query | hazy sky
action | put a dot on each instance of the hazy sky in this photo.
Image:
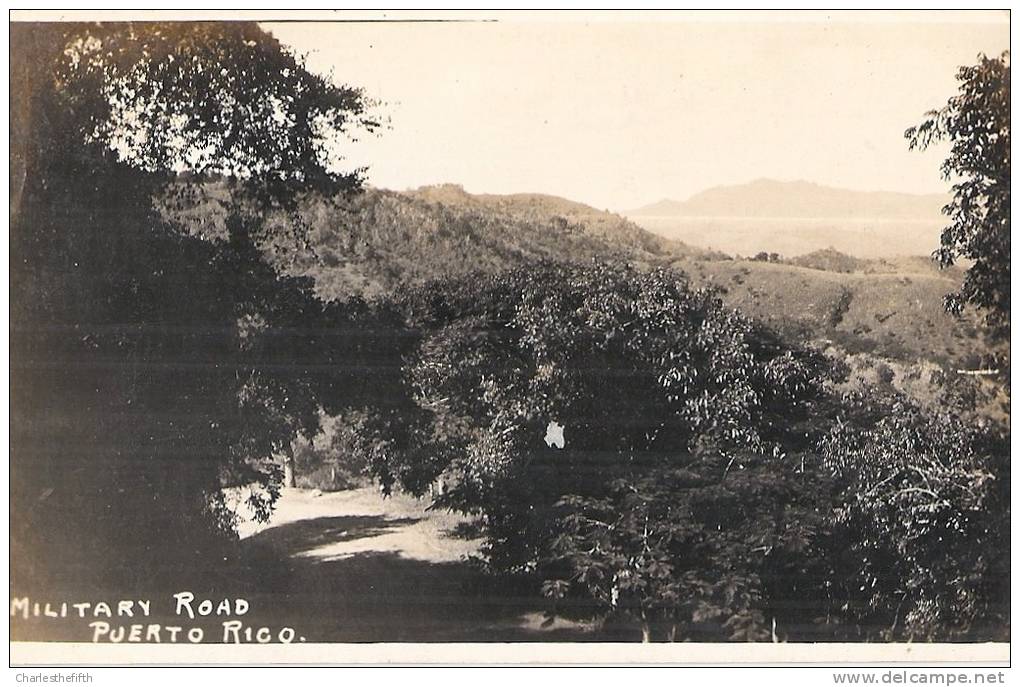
(620, 114)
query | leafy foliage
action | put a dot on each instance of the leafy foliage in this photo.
(152, 367)
(713, 484)
(976, 122)
(670, 403)
(710, 547)
(922, 522)
(341, 454)
(220, 99)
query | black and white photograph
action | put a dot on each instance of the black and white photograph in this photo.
(342, 332)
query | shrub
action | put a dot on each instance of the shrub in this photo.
(922, 528)
(840, 307)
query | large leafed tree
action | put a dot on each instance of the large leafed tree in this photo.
(152, 366)
(976, 123)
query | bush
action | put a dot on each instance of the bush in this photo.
(921, 533)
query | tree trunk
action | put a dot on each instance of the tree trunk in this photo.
(289, 479)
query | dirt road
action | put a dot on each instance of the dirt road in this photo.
(354, 567)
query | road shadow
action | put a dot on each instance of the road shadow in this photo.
(381, 596)
(305, 536)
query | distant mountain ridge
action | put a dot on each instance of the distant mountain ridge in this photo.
(767, 198)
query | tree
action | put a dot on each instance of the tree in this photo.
(711, 546)
(976, 123)
(150, 366)
(678, 414)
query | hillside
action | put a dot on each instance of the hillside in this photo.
(890, 307)
(832, 260)
(887, 316)
(382, 239)
(896, 315)
(766, 198)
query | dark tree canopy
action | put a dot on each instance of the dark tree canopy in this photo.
(976, 123)
(209, 98)
(151, 368)
(678, 415)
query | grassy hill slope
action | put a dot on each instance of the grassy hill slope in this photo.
(374, 242)
(895, 314)
(377, 240)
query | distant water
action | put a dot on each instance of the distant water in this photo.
(862, 238)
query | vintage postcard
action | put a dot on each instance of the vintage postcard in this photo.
(506, 337)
